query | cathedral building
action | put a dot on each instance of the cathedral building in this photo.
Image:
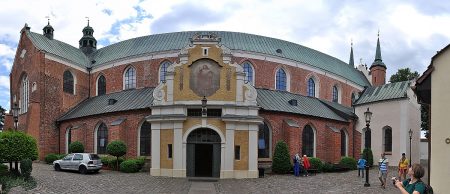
(196, 103)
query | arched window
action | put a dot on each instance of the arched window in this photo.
(248, 70)
(24, 95)
(163, 70)
(69, 82)
(387, 139)
(145, 139)
(281, 82)
(264, 141)
(129, 78)
(102, 138)
(343, 143)
(68, 138)
(335, 94)
(308, 141)
(311, 87)
(101, 85)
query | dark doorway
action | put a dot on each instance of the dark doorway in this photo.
(203, 153)
(203, 160)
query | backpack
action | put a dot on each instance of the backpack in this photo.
(428, 188)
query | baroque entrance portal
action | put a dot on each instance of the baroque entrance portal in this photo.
(203, 153)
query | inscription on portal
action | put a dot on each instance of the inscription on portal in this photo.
(205, 77)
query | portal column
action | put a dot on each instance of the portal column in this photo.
(178, 170)
(253, 151)
(228, 167)
(156, 133)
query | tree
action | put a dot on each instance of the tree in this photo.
(403, 75)
(281, 160)
(76, 147)
(2, 117)
(424, 118)
(16, 146)
(116, 148)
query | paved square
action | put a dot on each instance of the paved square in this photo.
(50, 181)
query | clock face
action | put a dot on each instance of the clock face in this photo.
(205, 77)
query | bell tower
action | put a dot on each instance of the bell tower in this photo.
(88, 44)
(48, 30)
(378, 68)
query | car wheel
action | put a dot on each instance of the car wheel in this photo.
(57, 167)
(82, 170)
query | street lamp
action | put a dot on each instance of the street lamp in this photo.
(15, 111)
(204, 111)
(410, 137)
(368, 116)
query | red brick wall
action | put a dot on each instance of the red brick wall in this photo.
(327, 141)
(127, 131)
(378, 75)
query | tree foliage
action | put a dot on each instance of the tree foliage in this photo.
(368, 156)
(116, 148)
(281, 160)
(76, 147)
(16, 146)
(403, 75)
(2, 116)
(424, 117)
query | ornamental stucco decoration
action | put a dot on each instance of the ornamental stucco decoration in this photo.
(158, 94)
(250, 94)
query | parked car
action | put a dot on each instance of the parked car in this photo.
(81, 162)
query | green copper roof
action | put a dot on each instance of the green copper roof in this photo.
(58, 48)
(385, 92)
(378, 60)
(351, 61)
(177, 40)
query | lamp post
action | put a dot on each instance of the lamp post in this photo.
(204, 110)
(410, 137)
(15, 111)
(368, 116)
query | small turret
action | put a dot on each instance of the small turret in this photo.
(88, 44)
(48, 30)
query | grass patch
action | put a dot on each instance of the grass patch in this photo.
(11, 180)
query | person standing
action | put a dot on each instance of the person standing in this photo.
(306, 164)
(403, 167)
(383, 164)
(361, 165)
(296, 161)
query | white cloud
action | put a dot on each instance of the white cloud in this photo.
(4, 82)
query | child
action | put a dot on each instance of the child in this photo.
(361, 165)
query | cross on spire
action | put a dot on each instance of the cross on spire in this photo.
(87, 20)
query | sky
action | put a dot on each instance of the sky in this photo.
(411, 32)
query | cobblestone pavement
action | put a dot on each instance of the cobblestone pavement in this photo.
(50, 181)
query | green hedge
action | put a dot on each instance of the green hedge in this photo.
(129, 166)
(76, 147)
(316, 163)
(50, 158)
(3, 169)
(113, 163)
(26, 166)
(370, 159)
(327, 167)
(348, 162)
(281, 161)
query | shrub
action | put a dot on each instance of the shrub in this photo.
(316, 163)
(281, 160)
(3, 169)
(116, 148)
(327, 167)
(370, 159)
(140, 161)
(61, 156)
(76, 147)
(17, 146)
(26, 166)
(348, 162)
(106, 160)
(113, 163)
(49, 158)
(129, 166)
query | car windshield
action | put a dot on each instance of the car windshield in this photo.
(94, 157)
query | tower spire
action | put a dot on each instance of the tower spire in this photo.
(48, 29)
(378, 60)
(378, 68)
(351, 61)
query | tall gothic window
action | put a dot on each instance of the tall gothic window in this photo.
(281, 80)
(129, 78)
(102, 138)
(343, 143)
(69, 83)
(248, 70)
(163, 71)
(335, 94)
(311, 87)
(145, 139)
(101, 85)
(264, 141)
(308, 141)
(24, 95)
(388, 139)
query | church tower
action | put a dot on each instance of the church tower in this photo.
(351, 62)
(378, 68)
(48, 31)
(88, 44)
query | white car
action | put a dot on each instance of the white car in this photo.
(81, 162)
